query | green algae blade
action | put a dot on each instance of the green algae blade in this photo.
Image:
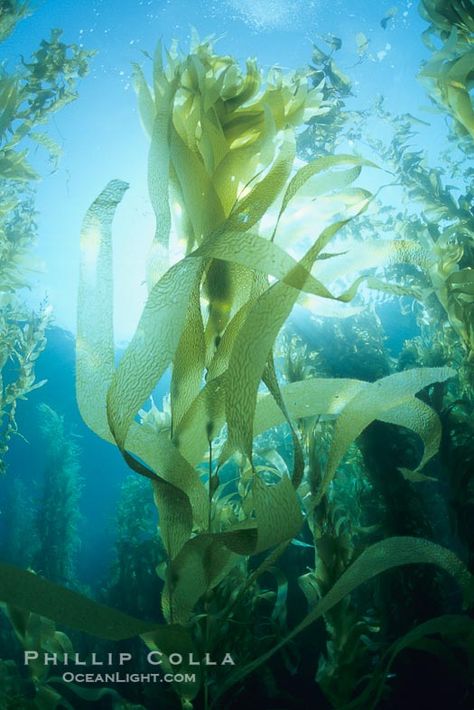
(202, 563)
(29, 592)
(420, 418)
(161, 455)
(206, 559)
(277, 512)
(188, 363)
(374, 253)
(146, 102)
(254, 342)
(251, 208)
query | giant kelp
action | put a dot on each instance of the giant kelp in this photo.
(204, 114)
(449, 74)
(58, 514)
(224, 188)
(28, 98)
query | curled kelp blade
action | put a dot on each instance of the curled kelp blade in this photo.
(161, 455)
(205, 559)
(255, 252)
(255, 340)
(378, 558)
(327, 183)
(180, 494)
(371, 403)
(328, 397)
(269, 378)
(374, 253)
(249, 209)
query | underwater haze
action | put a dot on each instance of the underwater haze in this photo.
(236, 354)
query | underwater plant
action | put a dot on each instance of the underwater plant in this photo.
(58, 515)
(221, 154)
(132, 582)
(448, 75)
(28, 99)
(226, 191)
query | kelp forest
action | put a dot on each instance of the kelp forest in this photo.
(294, 409)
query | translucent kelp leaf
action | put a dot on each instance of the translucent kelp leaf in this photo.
(251, 208)
(162, 456)
(374, 254)
(307, 398)
(270, 379)
(200, 199)
(277, 512)
(159, 158)
(95, 339)
(181, 497)
(188, 364)
(152, 347)
(378, 558)
(176, 515)
(96, 377)
(371, 403)
(146, 102)
(205, 416)
(205, 560)
(255, 252)
(253, 345)
(420, 418)
(317, 166)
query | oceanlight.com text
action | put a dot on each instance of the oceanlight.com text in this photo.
(119, 677)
